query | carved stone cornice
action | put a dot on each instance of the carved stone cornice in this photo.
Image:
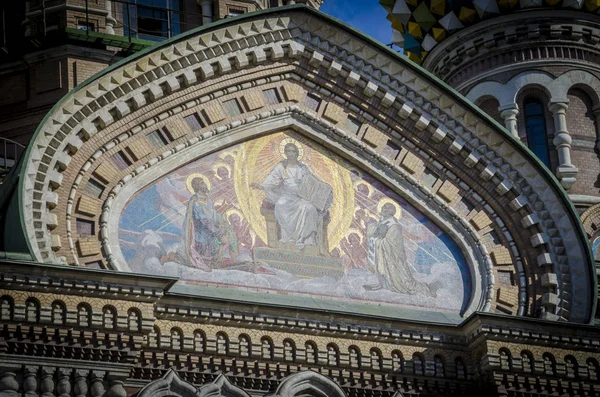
(516, 41)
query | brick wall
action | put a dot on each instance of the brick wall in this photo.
(81, 70)
(223, 7)
(36, 89)
(580, 123)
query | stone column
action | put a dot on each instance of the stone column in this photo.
(30, 381)
(509, 114)
(47, 383)
(26, 22)
(97, 383)
(80, 388)
(596, 113)
(9, 386)
(207, 12)
(63, 387)
(110, 20)
(565, 171)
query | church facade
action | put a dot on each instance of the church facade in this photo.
(275, 204)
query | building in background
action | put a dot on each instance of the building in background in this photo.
(51, 46)
(277, 205)
(532, 66)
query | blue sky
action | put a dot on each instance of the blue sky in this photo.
(365, 15)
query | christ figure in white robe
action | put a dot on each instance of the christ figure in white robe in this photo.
(298, 219)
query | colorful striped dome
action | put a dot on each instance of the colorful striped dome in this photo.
(418, 25)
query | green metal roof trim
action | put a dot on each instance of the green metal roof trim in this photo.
(381, 47)
(113, 40)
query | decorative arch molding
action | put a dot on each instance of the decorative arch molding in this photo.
(221, 387)
(555, 87)
(590, 219)
(301, 51)
(169, 385)
(319, 130)
(507, 93)
(308, 384)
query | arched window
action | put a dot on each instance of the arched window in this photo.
(134, 320)
(417, 364)
(333, 356)
(266, 348)
(593, 368)
(289, 350)
(108, 317)
(176, 339)
(199, 341)
(354, 357)
(222, 343)
(397, 361)
(311, 352)
(376, 359)
(527, 361)
(84, 315)
(505, 359)
(535, 126)
(461, 370)
(6, 308)
(244, 346)
(571, 367)
(59, 312)
(549, 364)
(438, 367)
(32, 311)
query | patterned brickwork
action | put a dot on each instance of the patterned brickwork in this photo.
(106, 172)
(215, 113)
(177, 128)
(139, 149)
(375, 138)
(254, 100)
(580, 123)
(88, 206)
(88, 246)
(448, 191)
(412, 163)
(501, 256)
(334, 113)
(293, 92)
(481, 220)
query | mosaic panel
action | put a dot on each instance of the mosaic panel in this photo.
(280, 214)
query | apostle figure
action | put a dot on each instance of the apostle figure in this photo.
(386, 254)
(208, 238)
(298, 218)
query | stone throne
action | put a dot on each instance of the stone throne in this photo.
(308, 262)
(267, 210)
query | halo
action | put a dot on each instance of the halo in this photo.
(287, 140)
(355, 231)
(232, 211)
(191, 177)
(228, 153)
(256, 158)
(221, 164)
(386, 200)
(361, 182)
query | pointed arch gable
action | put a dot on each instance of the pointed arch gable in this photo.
(221, 387)
(308, 383)
(400, 108)
(169, 385)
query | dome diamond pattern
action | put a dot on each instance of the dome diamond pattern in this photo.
(419, 25)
